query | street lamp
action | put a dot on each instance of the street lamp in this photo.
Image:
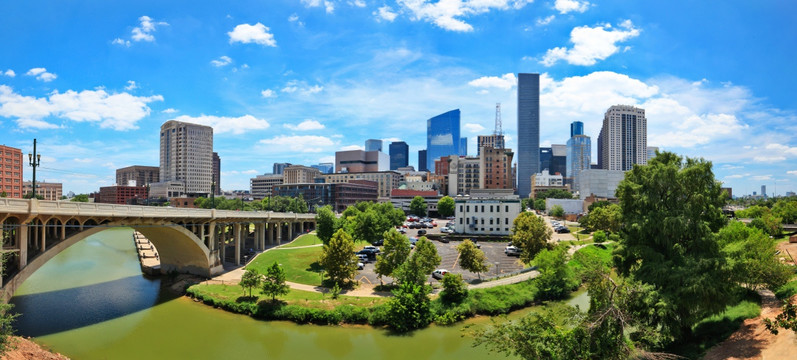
(34, 160)
(213, 195)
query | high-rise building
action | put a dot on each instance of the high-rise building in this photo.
(399, 155)
(764, 190)
(442, 136)
(576, 128)
(652, 152)
(186, 155)
(496, 168)
(579, 152)
(528, 127)
(373, 145)
(558, 160)
(623, 138)
(463, 146)
(138, 175)
(493, 141)
(48, 191)
(217, 173)
(11, 174)
(324, 168)
(422, 166)
(278, 168)
(545, 158)
(357, 161)
(463, 175)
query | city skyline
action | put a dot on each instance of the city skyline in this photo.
(295, 81)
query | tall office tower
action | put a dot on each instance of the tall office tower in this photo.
(399, 155)
(463, 146)
(373, 145)
(217, 173)
(545, 159)
(579, 151)
(186, 155)
(764, 190)
(576, 128)
(278, 168)
(528, 127)
(600, 149)
(624, 138)
(11, 176)
(442, 136)
(559, 160)
(493, 141)
(422, 161)
(140, 175)
(652, 152)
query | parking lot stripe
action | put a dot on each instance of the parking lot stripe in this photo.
(455, 261)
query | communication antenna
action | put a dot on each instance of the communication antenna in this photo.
(498, 132)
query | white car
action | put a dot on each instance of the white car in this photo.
(511, 251)
(439, 273)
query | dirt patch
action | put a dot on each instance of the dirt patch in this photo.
(25, 349)
(754, 341)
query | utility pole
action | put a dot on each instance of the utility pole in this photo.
(34, 160)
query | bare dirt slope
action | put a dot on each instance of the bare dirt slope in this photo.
(24, 349)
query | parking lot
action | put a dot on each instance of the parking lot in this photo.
(501, 263)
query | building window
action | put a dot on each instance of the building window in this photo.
(460, 221)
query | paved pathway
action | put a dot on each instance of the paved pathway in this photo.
(507, 280)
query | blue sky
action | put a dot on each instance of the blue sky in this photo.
(296, 80)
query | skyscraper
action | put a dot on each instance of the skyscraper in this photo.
(422, 160)
(558, 160)
(579, 151)
(576, 128)
(186, 155)
(623, 138)
(545, 159)
(278, 168)
(373, 145)
(463, 146)
(217, 173)
(442, 136)
(528, 125)
(399, 154)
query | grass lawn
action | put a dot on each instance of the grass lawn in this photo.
(301, 265)
(303, 240)
(295, 297)
(593, 251)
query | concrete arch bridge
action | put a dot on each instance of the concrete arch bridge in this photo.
(193, 241)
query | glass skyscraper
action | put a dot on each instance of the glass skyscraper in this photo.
(399, 154)
(579, 151)
(576, 128)
(528, 127)
(422, 161)
(463, 146)
(373, 145)
(442, 136)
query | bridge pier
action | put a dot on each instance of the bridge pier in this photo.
(22, 242)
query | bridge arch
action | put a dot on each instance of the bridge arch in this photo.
(179, 251)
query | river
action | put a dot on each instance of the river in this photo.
(92, 302)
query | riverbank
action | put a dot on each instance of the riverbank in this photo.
(25, 349)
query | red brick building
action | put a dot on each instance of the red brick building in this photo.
(11, 166)
(121, 195)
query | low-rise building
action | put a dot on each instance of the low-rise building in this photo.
(339, 196)
(401, 198)
(300, 174)
(486, 212)
(137, 175)
(601, 183)
(261, 185)
(495, 165)
(48, 191)
(121, 195)
(359, 161)
(570, 206)
(166, 189)
(386, 180)
(463, 175)
(544, 181)
(11, 172)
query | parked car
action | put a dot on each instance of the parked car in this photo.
(512, 251)
(363, 258)
(443, 240)
(439, 273)
(421, 232)
(562, 230)
(360, 266)
(372, 248)
(379, 242)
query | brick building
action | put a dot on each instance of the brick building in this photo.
(11, 171)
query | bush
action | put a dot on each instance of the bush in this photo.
(599, 236)
(454, 288)
(787, 291)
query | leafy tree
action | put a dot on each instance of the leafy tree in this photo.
(420, 264)
(607, 218)
(81, 198)
(445, 206)
(395, 252)
(530, 235)
(274, 282)
(786, 210)
(325, 223)
(768, 223)
(525, 203)
(7, 318)
(409, 308)
(338, 259)
(250, 279)
(368, 221)
(752, 212)
(556, 279)
(366, 226)
(599, 204)
(599, 237)
(554, 194)
(751, 257)
(787, 319)
(557, 211)
(454, 288)
(418, 206)
(472, 258)
(539, 204)
(3, 194)
(671, 209)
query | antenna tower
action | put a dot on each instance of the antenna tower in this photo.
(498, 132)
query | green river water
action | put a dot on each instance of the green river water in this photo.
(91, 302)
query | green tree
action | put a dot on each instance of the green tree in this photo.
(3, 194)
(599, 237)
(454, 288)
(557, 211)
(556, 279)
(530, 235)
(420, 264)
(768, 223)
(395, 251)
(7, 318)
(273, 284)
(786, 210)
(606, 218)
(751, 257)
(418, 206)
(671, 209)
(539, 204)
(81, 198)
(445, 206)
(409, 308)
(752, 212)
(554, 194)
(325, 223)
(338, 259)
(472, 258)
(250, 279)
(366, 226)
(599, 204)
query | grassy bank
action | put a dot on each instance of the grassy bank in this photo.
(301, 265)
(303, 240)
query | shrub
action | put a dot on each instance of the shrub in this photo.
(454, 288)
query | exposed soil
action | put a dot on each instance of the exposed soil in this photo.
(25, 349)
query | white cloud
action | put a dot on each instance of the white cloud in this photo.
(169, 111)
(257, 33)
(250, 172)
(224, 60)
(293, 18)
(761, 177)
(545, 21)
(306, 125)
(591, 44)
(385, 13)
(326, 159)
(290, 89)
(473, 128)
(448, 14)
(315, 89)
(120, 41)
(793, 172)
(329, 6)
(303, 143)
(301, 87)
(566, 6)
(10, 73)
(118, 111)
(505, 82)
(143, 32)
(352, 147)
(358, 3)
(227, 124)
(41, 74)
(268, 93)
(131, 85)
(736, 176)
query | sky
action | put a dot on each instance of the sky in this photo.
(296, 80)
